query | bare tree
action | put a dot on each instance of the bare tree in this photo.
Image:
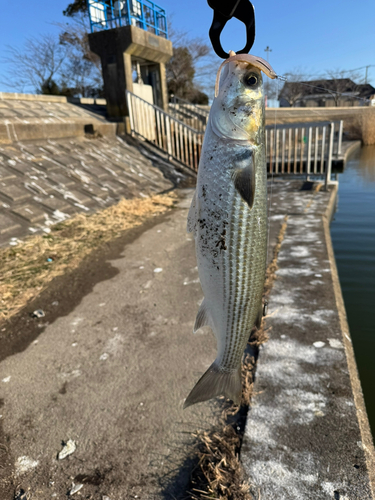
(81, 73)
(294, 88)
(37, 64)
(190, 68)
(340, 84)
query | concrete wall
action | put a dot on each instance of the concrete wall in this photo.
(359, 122)
(117, 48)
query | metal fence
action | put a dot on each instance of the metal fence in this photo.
(189, 113)
(178, 140)
(108, 14)
(291, 149)
(303, 148)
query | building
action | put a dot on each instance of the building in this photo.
(326, 93)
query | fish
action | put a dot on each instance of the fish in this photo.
(228, 218)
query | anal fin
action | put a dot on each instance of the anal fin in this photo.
(203, 318)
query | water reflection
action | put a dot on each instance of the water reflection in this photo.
(366, 164)
(353, 236)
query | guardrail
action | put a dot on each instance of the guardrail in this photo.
(178, 140)
(303, 148)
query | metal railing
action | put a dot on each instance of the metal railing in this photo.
(303, 148)
(178, 140)
(291, 149)
(108, 14)
(189, 113)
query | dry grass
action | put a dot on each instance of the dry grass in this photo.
(367, 125)
(272, 266)
(25, 268)
(219, 475)
(220, 467)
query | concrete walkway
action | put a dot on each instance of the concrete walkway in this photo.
(112, 361)
(307, 434)
(109, 368)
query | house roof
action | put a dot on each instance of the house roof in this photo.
(324, 88)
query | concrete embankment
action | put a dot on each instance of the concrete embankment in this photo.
(359, 121)
(59, 158)
(25, 117)
(307, 434)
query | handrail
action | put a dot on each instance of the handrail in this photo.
(306, 149)
(180, 141)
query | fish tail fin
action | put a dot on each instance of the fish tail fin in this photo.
(216, 382)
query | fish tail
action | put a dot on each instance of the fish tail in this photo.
(216, 382)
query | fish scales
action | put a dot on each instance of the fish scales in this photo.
(229, 219)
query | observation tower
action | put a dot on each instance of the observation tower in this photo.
(131, 39)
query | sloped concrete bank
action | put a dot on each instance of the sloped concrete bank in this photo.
(307, 434)
(25, 117)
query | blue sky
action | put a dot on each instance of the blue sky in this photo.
(309, 36)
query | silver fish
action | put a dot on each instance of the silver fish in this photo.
(228, 217)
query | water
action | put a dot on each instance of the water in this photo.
(353, 236)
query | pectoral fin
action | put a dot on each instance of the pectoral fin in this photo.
(243, 176)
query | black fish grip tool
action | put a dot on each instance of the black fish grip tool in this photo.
(224, 10)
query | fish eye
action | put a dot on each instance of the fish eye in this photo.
(251, 80)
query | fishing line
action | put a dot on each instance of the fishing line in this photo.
(271, 167)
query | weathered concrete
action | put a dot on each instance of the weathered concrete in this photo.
(44, 182)
(117, 48)
(112, 361)
(109, 367)
(307, 434)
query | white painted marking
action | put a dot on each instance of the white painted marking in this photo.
(6, 379)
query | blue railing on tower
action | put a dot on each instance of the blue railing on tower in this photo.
(108, 14)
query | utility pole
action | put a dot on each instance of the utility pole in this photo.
(367, 67)
(268, 50)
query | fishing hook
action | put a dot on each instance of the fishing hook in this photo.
(224, 10)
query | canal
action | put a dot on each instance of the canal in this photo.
(353, 236)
